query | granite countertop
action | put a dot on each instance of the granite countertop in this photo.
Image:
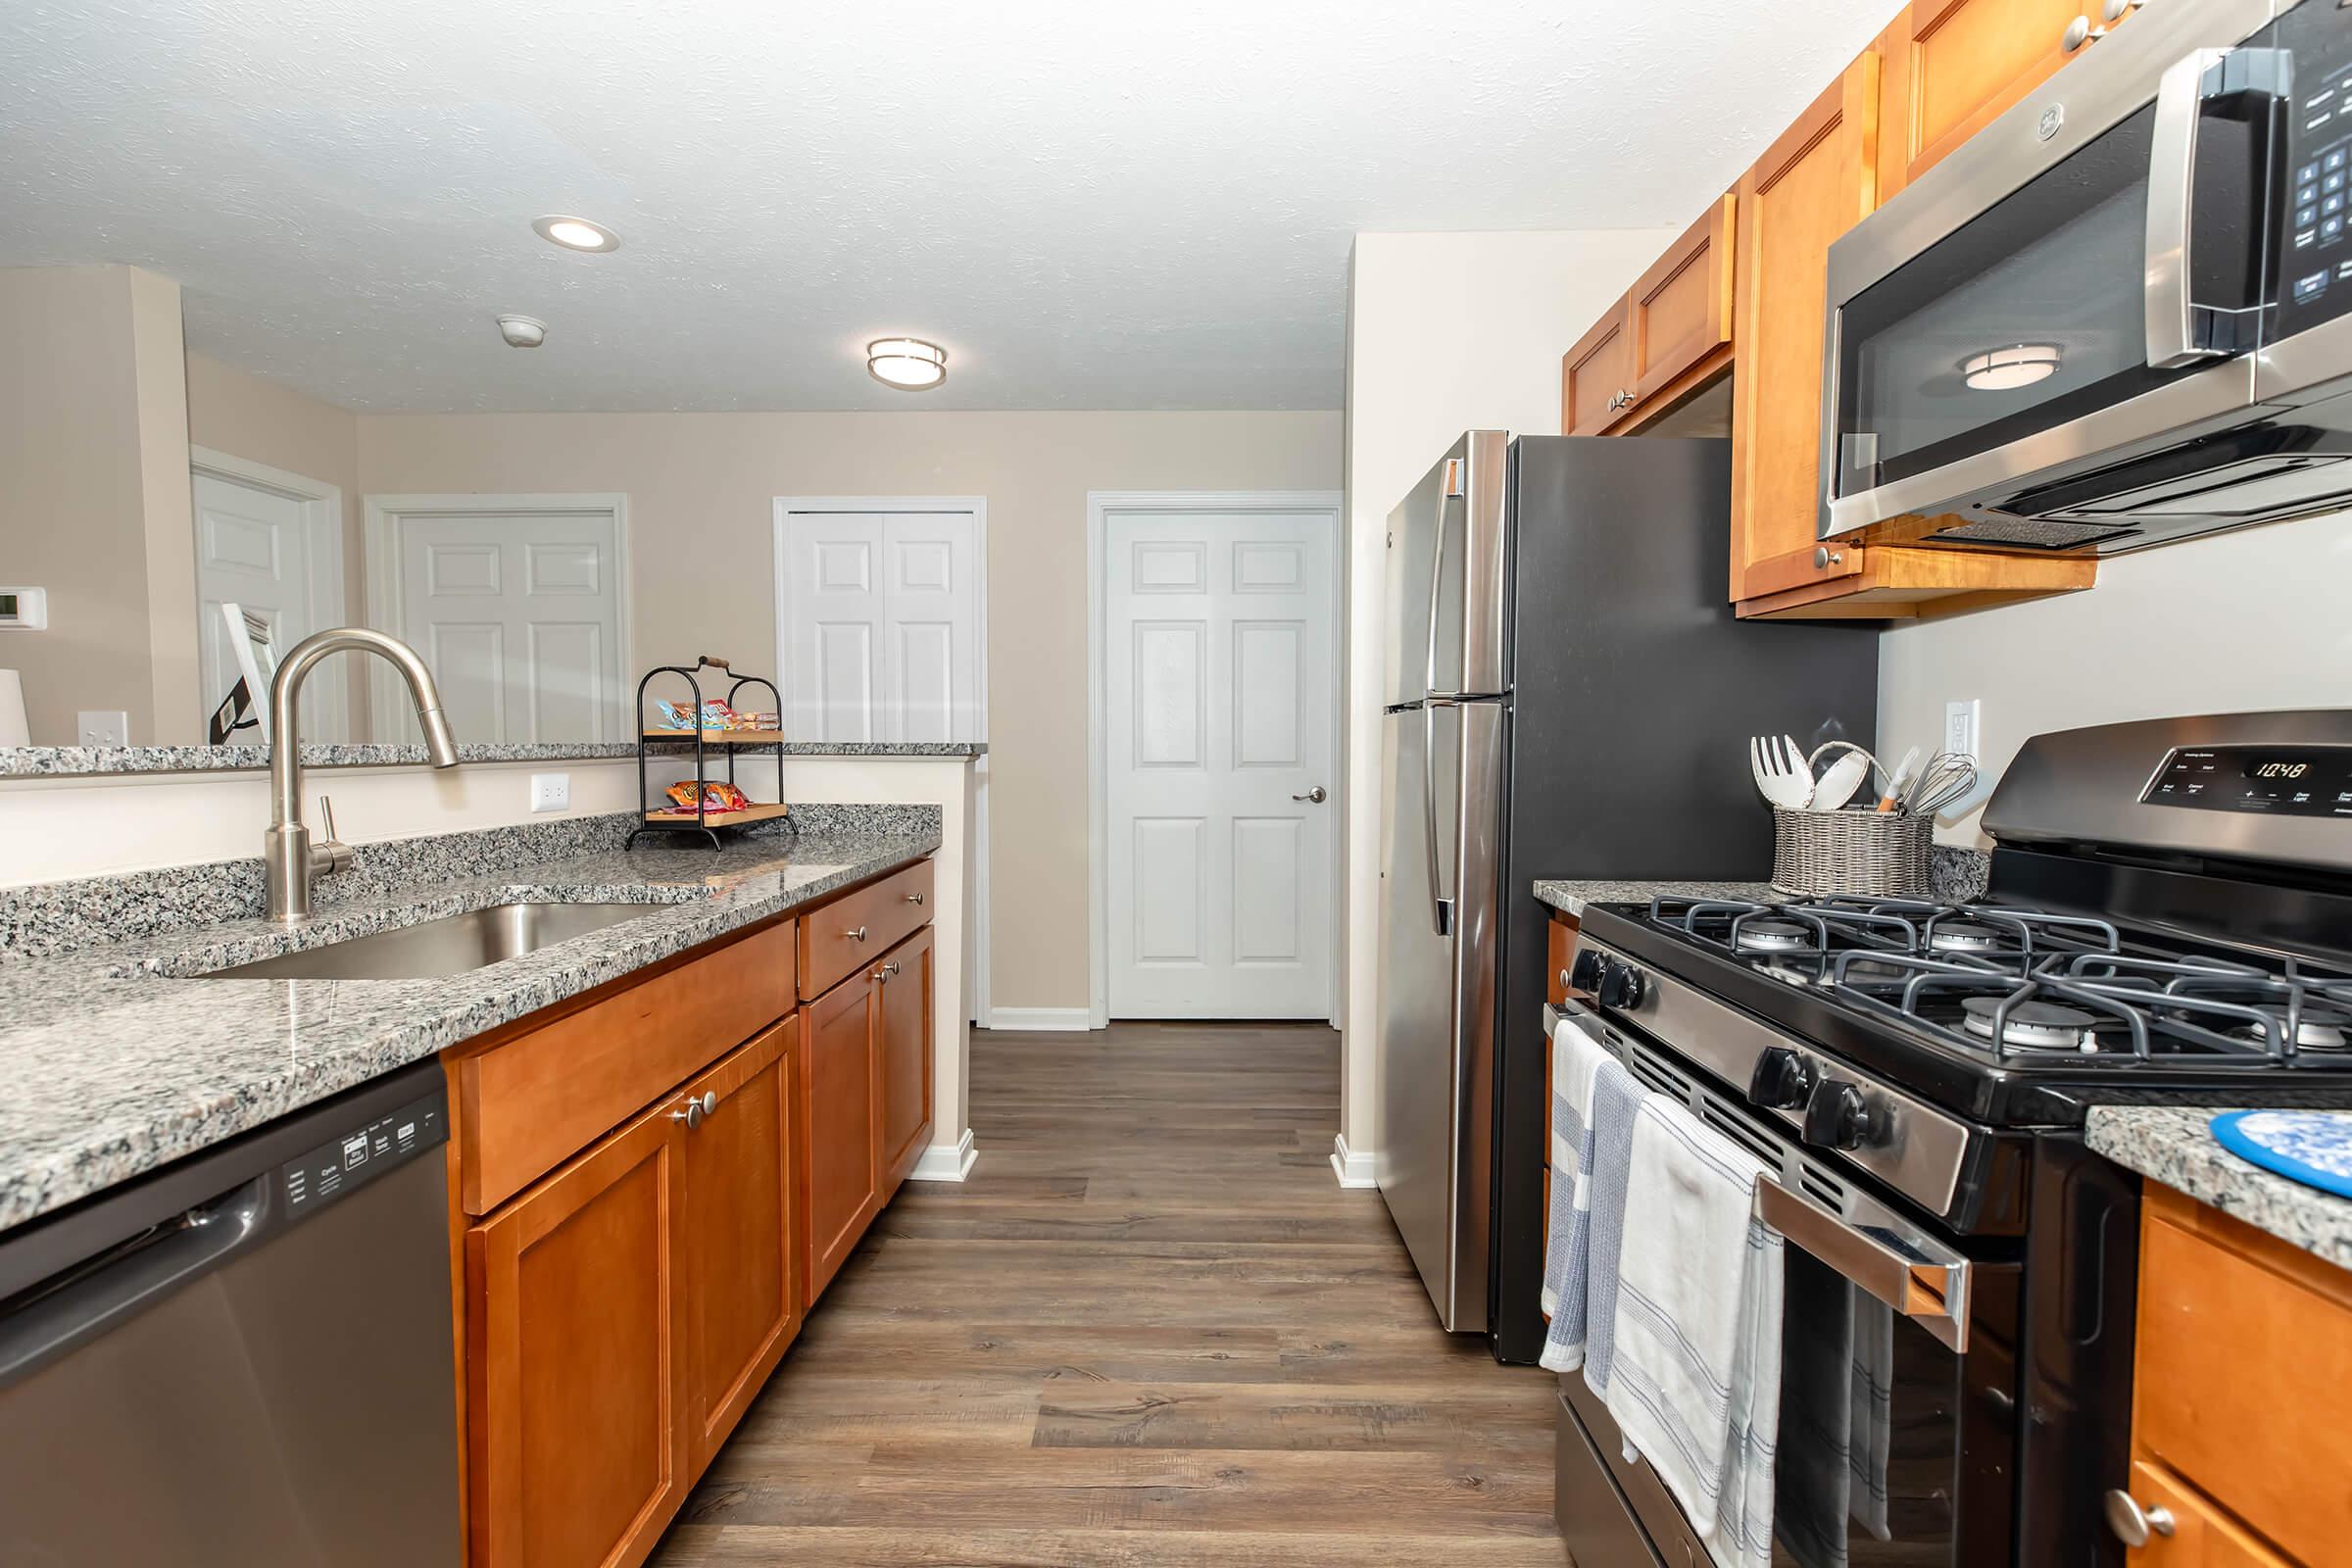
(2174, 1146)
(154, 1067)
(78, 762)
(1571, 896)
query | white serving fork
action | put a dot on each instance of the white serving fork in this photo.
(1782, 775)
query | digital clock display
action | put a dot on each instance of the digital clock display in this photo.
(2306, 781)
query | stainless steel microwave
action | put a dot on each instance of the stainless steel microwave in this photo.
(2119, 316)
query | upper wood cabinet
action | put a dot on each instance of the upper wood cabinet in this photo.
(1668, 334)
(739, 1244)
(574, 1310)
(1596, 375)
(1954, 66)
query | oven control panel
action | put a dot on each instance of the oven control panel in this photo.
(2275, 780)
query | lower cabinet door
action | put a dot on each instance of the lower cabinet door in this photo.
(574, 1310)
(738, 1257)
(905, 1054)
(838, 1092)
(2195, 1532)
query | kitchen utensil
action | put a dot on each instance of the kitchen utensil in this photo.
(1936, 763)
(1782, 775)
(1898, 781)
(1842, 778)
(1951, 779)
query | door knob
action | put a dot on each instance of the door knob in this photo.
(1318, 795)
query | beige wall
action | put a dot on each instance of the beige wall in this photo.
(2256, 620)
(1445, 334)
(700, 489)
(94, 498)
(243, 416)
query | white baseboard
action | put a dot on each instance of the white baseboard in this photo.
(1351, 1168)
(944, 1163)
(1049, 1018)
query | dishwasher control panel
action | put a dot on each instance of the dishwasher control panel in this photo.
(360, 1153)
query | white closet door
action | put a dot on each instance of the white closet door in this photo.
(881, 629)
(253, 548)
(519, 616)
(1220, 643)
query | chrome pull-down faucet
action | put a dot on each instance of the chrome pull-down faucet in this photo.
(289, 858)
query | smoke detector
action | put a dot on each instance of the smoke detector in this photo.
(522, 332)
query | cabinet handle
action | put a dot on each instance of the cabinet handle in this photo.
(883, 971)
(1564, 985)
(1825, 556)
(2134, 1525)
(692, 1115)
(856, 935)
(914, 898)
(2078, 32)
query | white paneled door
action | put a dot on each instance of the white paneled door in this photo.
(1220, 643)
(881, 626)
(253, 547)
(518, 615)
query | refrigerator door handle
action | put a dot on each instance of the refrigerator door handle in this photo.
(1440, 907)
(1451, 491)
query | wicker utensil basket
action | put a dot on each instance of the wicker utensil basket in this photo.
(1857, 851)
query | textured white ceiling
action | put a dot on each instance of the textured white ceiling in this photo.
(1098, 205)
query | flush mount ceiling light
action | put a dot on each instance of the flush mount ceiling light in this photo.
(906, 363)
(2006, 370)
(575, 233)
(522, 332)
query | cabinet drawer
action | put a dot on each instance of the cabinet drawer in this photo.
(533, 1098)
(861, 926)
(2239, 1332)
(2202, 1535)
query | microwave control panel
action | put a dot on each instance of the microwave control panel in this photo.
(2313, 232)
(2272, 780)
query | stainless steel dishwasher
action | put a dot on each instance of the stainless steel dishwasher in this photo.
(244, 1357)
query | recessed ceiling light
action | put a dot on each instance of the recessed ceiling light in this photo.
(906, 363)
(575, 233)
(2007, 370)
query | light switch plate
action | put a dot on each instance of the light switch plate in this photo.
(1960, 727)
(551, 792)
(109, 726)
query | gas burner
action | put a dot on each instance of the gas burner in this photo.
(1770, 936)
(1968, 936)
(2316, 1029)
(2033, 1025)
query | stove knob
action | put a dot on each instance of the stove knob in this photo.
(1622, 985)
(1836, 1117)
(1584, 976)
(1782, 1081)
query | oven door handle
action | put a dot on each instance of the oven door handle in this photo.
(2172, 201)
(1929, 1288)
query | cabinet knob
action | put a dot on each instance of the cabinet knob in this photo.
(855, 934)
(692, 1115)
(2077, 34)
(881, 973)
(914, 898)
(2134, 1525)
(1825, 556)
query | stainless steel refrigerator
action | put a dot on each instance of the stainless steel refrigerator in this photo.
(1569, 694)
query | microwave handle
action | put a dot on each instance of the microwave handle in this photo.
(2172, 198)
(1931, 1290)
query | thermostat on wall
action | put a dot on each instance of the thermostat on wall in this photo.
(24, 608)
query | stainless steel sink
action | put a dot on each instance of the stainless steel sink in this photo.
(449, 946)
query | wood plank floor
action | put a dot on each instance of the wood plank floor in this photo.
(1151, 1329)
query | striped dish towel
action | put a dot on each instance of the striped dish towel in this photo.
(1576, 1059)
(1617, 1096)
(1873, 1420)
(1695, 1380)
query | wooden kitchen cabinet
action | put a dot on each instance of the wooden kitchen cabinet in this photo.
(2244, 1343)
(1814, 184)
(1596, 375)
(841, 1172)
(1954, 66)
(1665, 337)
(574, 1309)
(903, 1057)
(739, 1244)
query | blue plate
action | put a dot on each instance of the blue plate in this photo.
(2311, 1146)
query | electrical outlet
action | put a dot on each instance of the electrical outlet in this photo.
(1961, 720)
(109, 726)
(551, 792)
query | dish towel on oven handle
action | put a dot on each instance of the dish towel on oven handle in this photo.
(1873, 1420)
(1695, 1383)
(1576, 1057)
(1617, 1098)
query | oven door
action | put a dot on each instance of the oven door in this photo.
(2080, 281)
(1898, 1435)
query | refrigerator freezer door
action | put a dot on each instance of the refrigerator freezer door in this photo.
(1434, 1116)
(1447, 548)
